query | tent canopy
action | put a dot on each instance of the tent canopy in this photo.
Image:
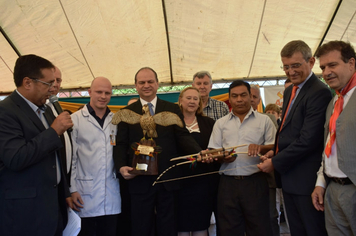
(238, 39)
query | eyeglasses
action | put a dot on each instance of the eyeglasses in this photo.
(50, 85)
(293, 66)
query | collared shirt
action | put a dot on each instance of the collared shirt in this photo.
(154, 103)
(33, 106)
(100, 121)
(300, 86)
(228, 131)
(215, 109)
(93, 172)
(42, 109)
(331, 168)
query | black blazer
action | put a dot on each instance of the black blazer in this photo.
(63, 151)
(175, 141)
(29, 194)
(206, 125)
(300, 141)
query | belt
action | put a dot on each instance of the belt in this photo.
(342, 181)
(240, 177)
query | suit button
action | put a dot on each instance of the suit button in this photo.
(54, 166)
(55, 186)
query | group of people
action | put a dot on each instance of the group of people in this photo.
(51, 161)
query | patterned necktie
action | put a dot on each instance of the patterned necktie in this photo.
(338, 107)
(150, 106)
(294, 91)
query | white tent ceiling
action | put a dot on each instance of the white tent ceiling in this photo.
(233, 39)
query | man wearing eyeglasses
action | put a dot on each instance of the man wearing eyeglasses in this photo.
(298, 147)
(33, 190)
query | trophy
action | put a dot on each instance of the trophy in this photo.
(145, 159)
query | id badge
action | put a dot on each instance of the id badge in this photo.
(112, 138)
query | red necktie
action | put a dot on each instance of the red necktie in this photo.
(286, 113)
(337, 111)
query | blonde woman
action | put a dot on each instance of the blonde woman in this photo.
(197, 196)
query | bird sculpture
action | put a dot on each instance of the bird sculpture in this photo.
(146, 120)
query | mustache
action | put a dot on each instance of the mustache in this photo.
(329, 76)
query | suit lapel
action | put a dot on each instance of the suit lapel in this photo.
(304, 90)
(48, 114)
(159, 106)
(286, 98)
(137, 107)
(27, 110)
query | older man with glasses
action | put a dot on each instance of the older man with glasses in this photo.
(33, 189)
(299, 143)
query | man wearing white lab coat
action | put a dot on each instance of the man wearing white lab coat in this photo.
(95, 188)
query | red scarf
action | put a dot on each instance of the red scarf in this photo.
(337, 111)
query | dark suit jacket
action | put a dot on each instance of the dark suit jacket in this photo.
(63, 150)
(300, 141)
(173, 140)
(345, 137)
(29, 194)
(206, 125)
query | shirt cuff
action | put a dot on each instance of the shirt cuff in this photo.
(320, 181)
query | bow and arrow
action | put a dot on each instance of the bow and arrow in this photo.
(198, 157)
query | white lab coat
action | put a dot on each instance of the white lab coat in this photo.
(93, 172)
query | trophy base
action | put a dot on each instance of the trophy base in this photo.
(145, 158)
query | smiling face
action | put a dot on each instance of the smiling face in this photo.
(204, 85)
(336, 72)
(100, 93)
(189, 101)
(146, 85)
(240, 100)
(296, 68)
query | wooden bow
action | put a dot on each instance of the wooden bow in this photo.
(197, 175)
(216, 153)
(202, 155)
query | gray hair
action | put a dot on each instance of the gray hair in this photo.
(296, 46)
(254, 86)
(202, 74)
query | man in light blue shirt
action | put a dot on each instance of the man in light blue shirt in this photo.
(243, 198)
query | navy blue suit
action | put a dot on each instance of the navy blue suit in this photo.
(300, 145)
(30, 198)
(145, 199)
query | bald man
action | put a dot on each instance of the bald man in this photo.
(95, 189)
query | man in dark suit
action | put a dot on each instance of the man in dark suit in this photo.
(337, 174)
(152, 205)
(66, 150)
(32, 187)
(297, 153)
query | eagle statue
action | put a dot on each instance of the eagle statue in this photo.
(146, 120)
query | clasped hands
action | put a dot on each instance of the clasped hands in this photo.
(209, 156)
(253, 151)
